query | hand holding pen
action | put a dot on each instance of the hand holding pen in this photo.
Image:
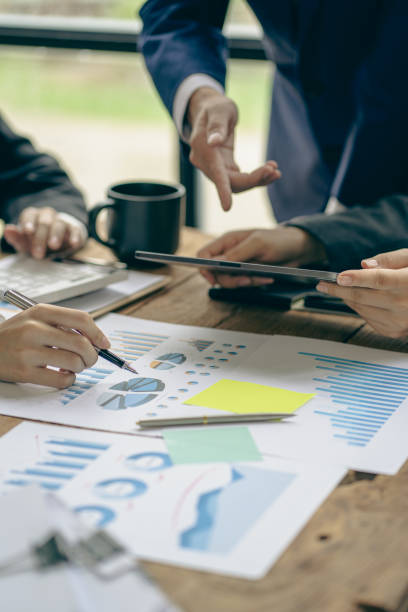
(43, 336)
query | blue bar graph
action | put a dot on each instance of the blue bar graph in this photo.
(363, 396)
(84, 381)
(132, 345)
(60, 460)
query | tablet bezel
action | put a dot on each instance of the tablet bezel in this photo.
(240, 268)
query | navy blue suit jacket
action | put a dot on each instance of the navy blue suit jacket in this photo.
(31, 178)
(338, 121)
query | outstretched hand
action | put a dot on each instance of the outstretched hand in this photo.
(213, 118)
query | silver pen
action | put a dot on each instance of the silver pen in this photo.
(21, 301)
(255, 417)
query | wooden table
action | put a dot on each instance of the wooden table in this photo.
(353, 553)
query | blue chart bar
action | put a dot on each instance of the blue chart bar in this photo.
(84, 381)
(73, 454)
(62, 460)
(363, 395)
(131, 345)
(52, 486)
(64, 464)
(77, 443)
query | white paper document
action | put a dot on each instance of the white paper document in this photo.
(222, 517)
(357, 419)
(174, 362)
(359, 416)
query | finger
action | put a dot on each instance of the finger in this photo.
(379, 299)
(246, 250)
(242, 181)
(16, 238)
(57, 232)
(45, 220)
(28, 220)
(60, 358)
(209, 276)
(218, 173)
(212, 163)
(84, 354)
(51, 378)
(223, 243)
(377, 278)
(233, 281)
(70, 318)
(221, 121)
(393, 259)
(45, 335)
(76, 238)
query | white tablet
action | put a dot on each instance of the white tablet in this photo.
(241, 268)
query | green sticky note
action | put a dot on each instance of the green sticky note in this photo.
(245, 397)
(209, 444)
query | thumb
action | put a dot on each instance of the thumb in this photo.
(392, 260)
(13, 236)
(221, 121)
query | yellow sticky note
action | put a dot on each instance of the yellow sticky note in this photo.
(246, 397)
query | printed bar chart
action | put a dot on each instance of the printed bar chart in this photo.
(131, 345)
(62, 459)
(363, 395)
(84, 381)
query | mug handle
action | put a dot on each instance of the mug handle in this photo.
(92, 216)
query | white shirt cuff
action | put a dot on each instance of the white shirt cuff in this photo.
(75, 223)
(334, 206)
(182, 98)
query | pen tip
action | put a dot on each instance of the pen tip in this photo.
(129, 368)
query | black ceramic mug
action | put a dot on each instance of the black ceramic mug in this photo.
(144, 216)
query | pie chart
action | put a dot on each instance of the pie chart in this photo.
(168, 361)
(139, 384)
(130, 393)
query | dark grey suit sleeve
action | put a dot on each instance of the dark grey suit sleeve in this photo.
(360, 231)
(31, 178)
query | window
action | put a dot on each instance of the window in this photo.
(102, 117)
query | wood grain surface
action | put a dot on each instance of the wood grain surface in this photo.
(353, 554)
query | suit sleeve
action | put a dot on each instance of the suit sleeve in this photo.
(375, 157)
(180, 39)
(359, 232)
(31, 178)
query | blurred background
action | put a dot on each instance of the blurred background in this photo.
(99, 114)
